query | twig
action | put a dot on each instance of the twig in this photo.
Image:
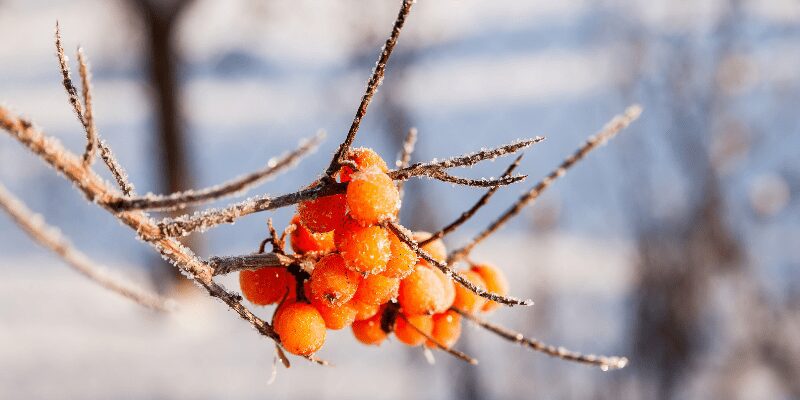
(372, 86)
(405, 156)
(233, 187)
(49, 237)
(88, 115)
(464, 160)
(455, 353)
(605, 363)
(63, 65)
(613, 127)
(227, 264)
(483, 182)
(466, 215)
(117, 171)
(506, 300)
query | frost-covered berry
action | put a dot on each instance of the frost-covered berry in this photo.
(403, 258)
(369, 331)
(436, 248)
(377, 289)
(304, 241)
(364, 158)
(449, 288)
(364, 310)
(323, 214)
(336, 317)
(446, 329)
(406, 333)
(266, 285)
(300, 327)
(331, 282)
(466, 300)
(372, 197)
(421, 292)
(495, 281)
(365, 250)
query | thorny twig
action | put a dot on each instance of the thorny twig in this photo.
(605, 363)
(613, 127)
(453, 352)
(506, 300)
(233, 187)
(49, 237)
(466, 215)
(405, 156)
(372, 86)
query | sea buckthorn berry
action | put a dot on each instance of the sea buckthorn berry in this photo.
(406, 333)
(323, 214)
(364, 310)
(372, 197)
(332, 282)
(449, 290)
(466, 300)
(435, 248)
(300, 327)
(304, 241)
(365, 250)
(336, 317)
(266, 285)
(495, 281)
(446, 329)
(377, 289)
(369, 331)
(403, 259)
(421, 292)
(365, 159)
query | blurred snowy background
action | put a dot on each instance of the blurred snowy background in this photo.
(676, 245)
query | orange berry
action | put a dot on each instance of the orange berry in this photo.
(435, 248)
(403, 259)
(336, 317)
(421, 292)
(449, 290)
(266, 285)
(377, 289)
(365, 159)
(372, 197)
(364, 310)
(406, 333)
(466, 300)
(495, 281)
(300, 327)
(369, 331)
(323, 214)
(446, 329)
(304, 241)
(332, 282)
(365, 249)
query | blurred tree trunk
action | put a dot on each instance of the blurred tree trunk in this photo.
(160, 19)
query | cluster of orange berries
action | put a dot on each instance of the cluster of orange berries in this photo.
(365, 277)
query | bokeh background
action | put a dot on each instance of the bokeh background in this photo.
(676, 245)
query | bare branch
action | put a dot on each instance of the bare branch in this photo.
(509, 301)
(483, 182)
(405, 155)
(372, 86)
(117, 171)
(228, 264)
(63, 65)
(88, 116)
(463, 161)
(605, 363)
(49, 237)
(613, 127)
(455, 353)
(233, 187)
(466, 215)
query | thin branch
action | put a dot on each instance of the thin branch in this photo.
(464, 160)
(49, 237)
(605, 363)
(117, 171)
(405, 155)
(63, 65)
(227, 264)
(233, 187)
(483, 182)
(372, 86)
(506, 300)
(466, 215)
(88, 116)
(455, 353)
(617, 124)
